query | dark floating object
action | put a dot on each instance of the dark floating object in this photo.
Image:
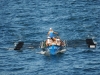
(91, 43)
(19, 45)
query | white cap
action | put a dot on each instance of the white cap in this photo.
(50, 28)
(48, 37)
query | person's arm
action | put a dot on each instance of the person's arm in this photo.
(55, 33)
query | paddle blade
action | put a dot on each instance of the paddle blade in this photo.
(19, 45)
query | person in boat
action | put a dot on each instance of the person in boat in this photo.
(51, 34)
(48, 41)
(58, 41)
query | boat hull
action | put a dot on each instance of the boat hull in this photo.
(52, 49)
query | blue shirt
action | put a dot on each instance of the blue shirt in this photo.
(51, 34)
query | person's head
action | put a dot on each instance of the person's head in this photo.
(48, 37)
(50, 28)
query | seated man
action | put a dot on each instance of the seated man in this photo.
(51, 34)
(58, 41)
(48, 41)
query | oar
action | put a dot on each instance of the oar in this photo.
(19, 45)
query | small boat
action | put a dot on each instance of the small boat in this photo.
(52, 49)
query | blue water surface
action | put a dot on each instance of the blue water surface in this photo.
(30, 20)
